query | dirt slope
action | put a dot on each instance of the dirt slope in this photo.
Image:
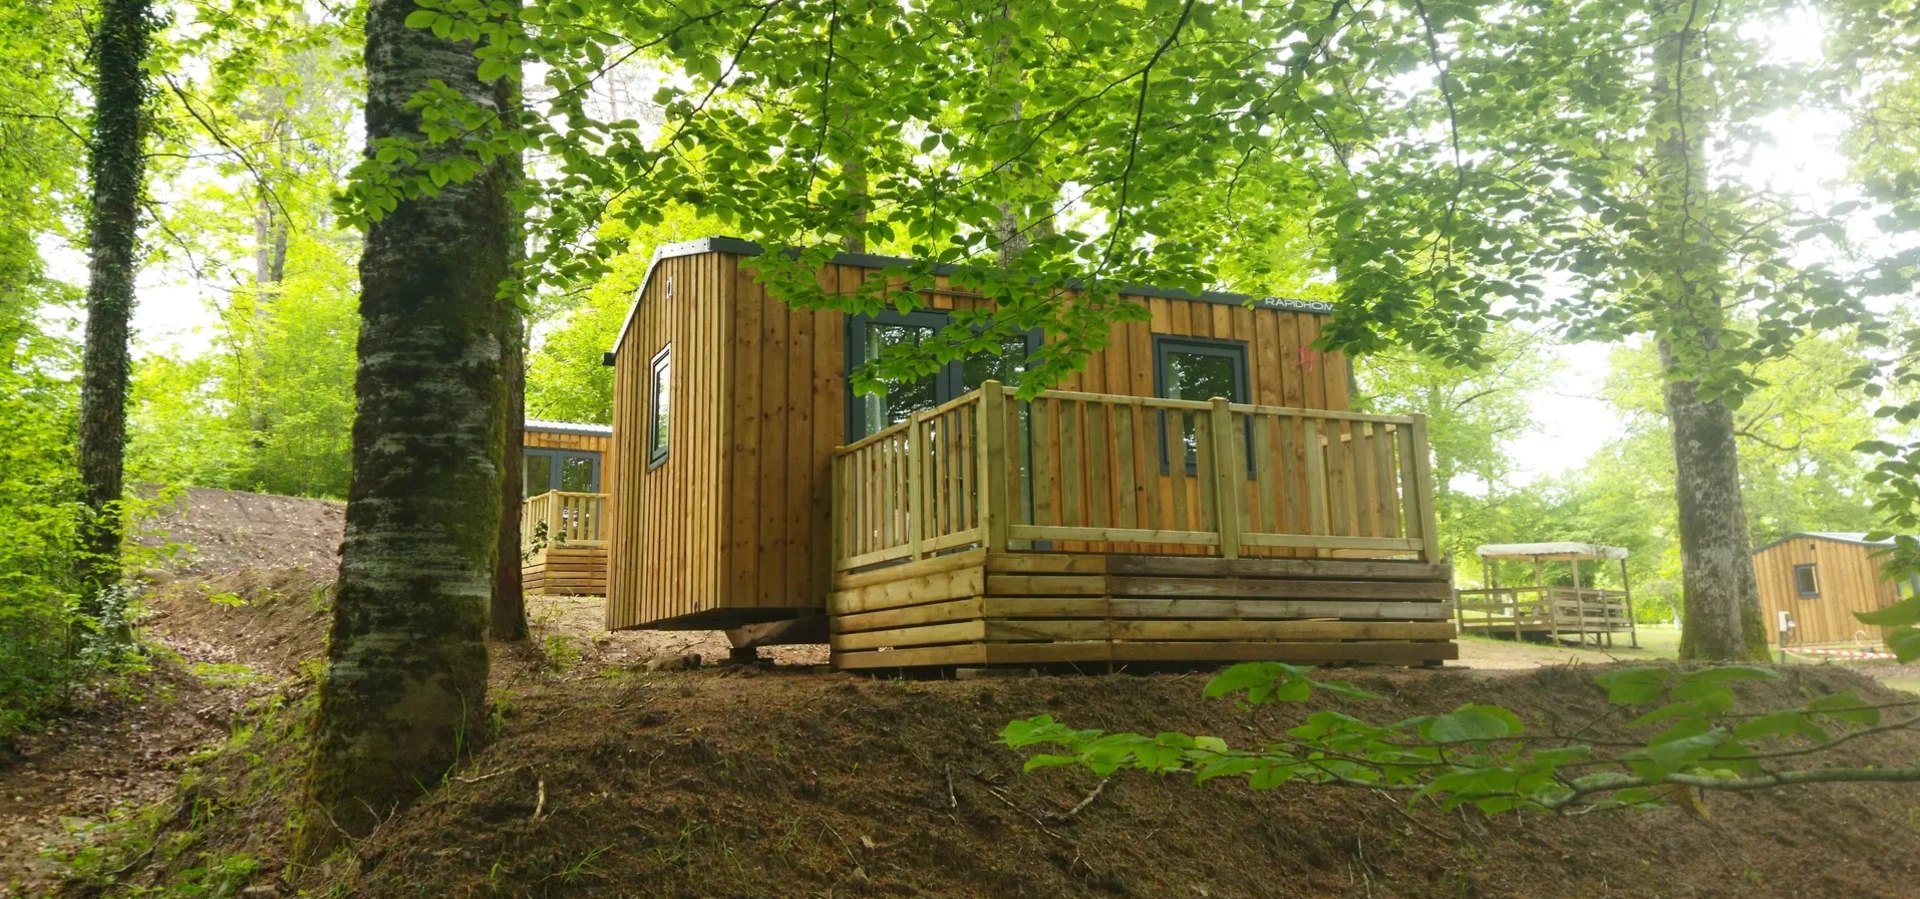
(706, 784)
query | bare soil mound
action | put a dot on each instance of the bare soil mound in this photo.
(229, 529)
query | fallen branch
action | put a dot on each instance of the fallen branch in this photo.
(1062, 818)
(540, 804)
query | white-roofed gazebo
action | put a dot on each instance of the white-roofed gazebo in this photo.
(1548, 610)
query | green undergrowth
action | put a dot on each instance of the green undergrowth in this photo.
(225, 826)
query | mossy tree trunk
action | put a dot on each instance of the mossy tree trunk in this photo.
(116, 168)
(405, 690)
(1722, 618)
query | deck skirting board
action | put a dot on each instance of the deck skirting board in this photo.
(1045, 608)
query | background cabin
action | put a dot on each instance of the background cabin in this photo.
(750, 485)
(563, 522)
(1819, 580)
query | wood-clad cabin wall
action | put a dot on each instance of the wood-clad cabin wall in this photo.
(788, 412)
(586, 443)
(666, 555)
(1849, 580)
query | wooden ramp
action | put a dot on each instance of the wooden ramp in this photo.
(565, 571)
(976, 608)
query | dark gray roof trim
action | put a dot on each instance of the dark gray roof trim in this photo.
(1855, 537)
(741, 247)
(569, 427)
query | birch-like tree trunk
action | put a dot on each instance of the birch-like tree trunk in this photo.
(405, 690)
(116, 168)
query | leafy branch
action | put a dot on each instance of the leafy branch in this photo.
(1481, 755)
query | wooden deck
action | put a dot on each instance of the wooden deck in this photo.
(563, 544)
(1554, 612)
(1091, 528)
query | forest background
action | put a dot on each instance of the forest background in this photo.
(246, 327)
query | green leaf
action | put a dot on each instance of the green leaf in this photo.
(1786, 723)
(421, 18)
(1633, 686)
(1845, 707)
(1904, 613)
(1472, 722)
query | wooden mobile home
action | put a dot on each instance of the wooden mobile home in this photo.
(1199, 492)
(1819, 579)
(563, 527)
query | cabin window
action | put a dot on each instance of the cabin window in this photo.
(573, 471)
(1806, 581)
(869, 336)
(659, 392)
(1197, 368)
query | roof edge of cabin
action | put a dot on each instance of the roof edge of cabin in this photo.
(1832, 536)
(582, 428)
(742, 247)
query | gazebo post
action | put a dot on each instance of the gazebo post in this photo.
(1580, 600)
(1626, 593)
(1544, 597)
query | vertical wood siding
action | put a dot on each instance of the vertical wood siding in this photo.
(591, 443)
(1849, 577)
(666, 555)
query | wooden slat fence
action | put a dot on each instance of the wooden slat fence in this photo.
(1100, 472)
(561, 518)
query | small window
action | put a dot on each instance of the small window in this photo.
(1806, 580)
(660, 395)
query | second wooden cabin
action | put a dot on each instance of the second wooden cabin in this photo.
(1200, 491)
(1818, 580)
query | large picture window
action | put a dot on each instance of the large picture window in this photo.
(659, 405)
(1199, 369)
(869, 336)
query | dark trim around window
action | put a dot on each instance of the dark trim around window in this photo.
(1812, 573)
(659, 420)
(1236, 350)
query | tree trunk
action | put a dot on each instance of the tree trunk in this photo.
(507, 616)
(1721, 619)
(116, 163)
(405, 691)
(1722, 612)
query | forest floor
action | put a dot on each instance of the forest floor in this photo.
(605, 778)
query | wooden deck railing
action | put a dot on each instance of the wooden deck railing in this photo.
(558, 518)
(1133, 474)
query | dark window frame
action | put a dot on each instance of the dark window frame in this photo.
(949, 382)
(1813, 571)
(556, 470)
(1164, 345)
(658, 444)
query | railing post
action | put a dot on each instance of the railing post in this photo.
(1229, 477)
(993, 467)
(1423, 476)
(554, 525)
(837, 475)
(916, 480)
